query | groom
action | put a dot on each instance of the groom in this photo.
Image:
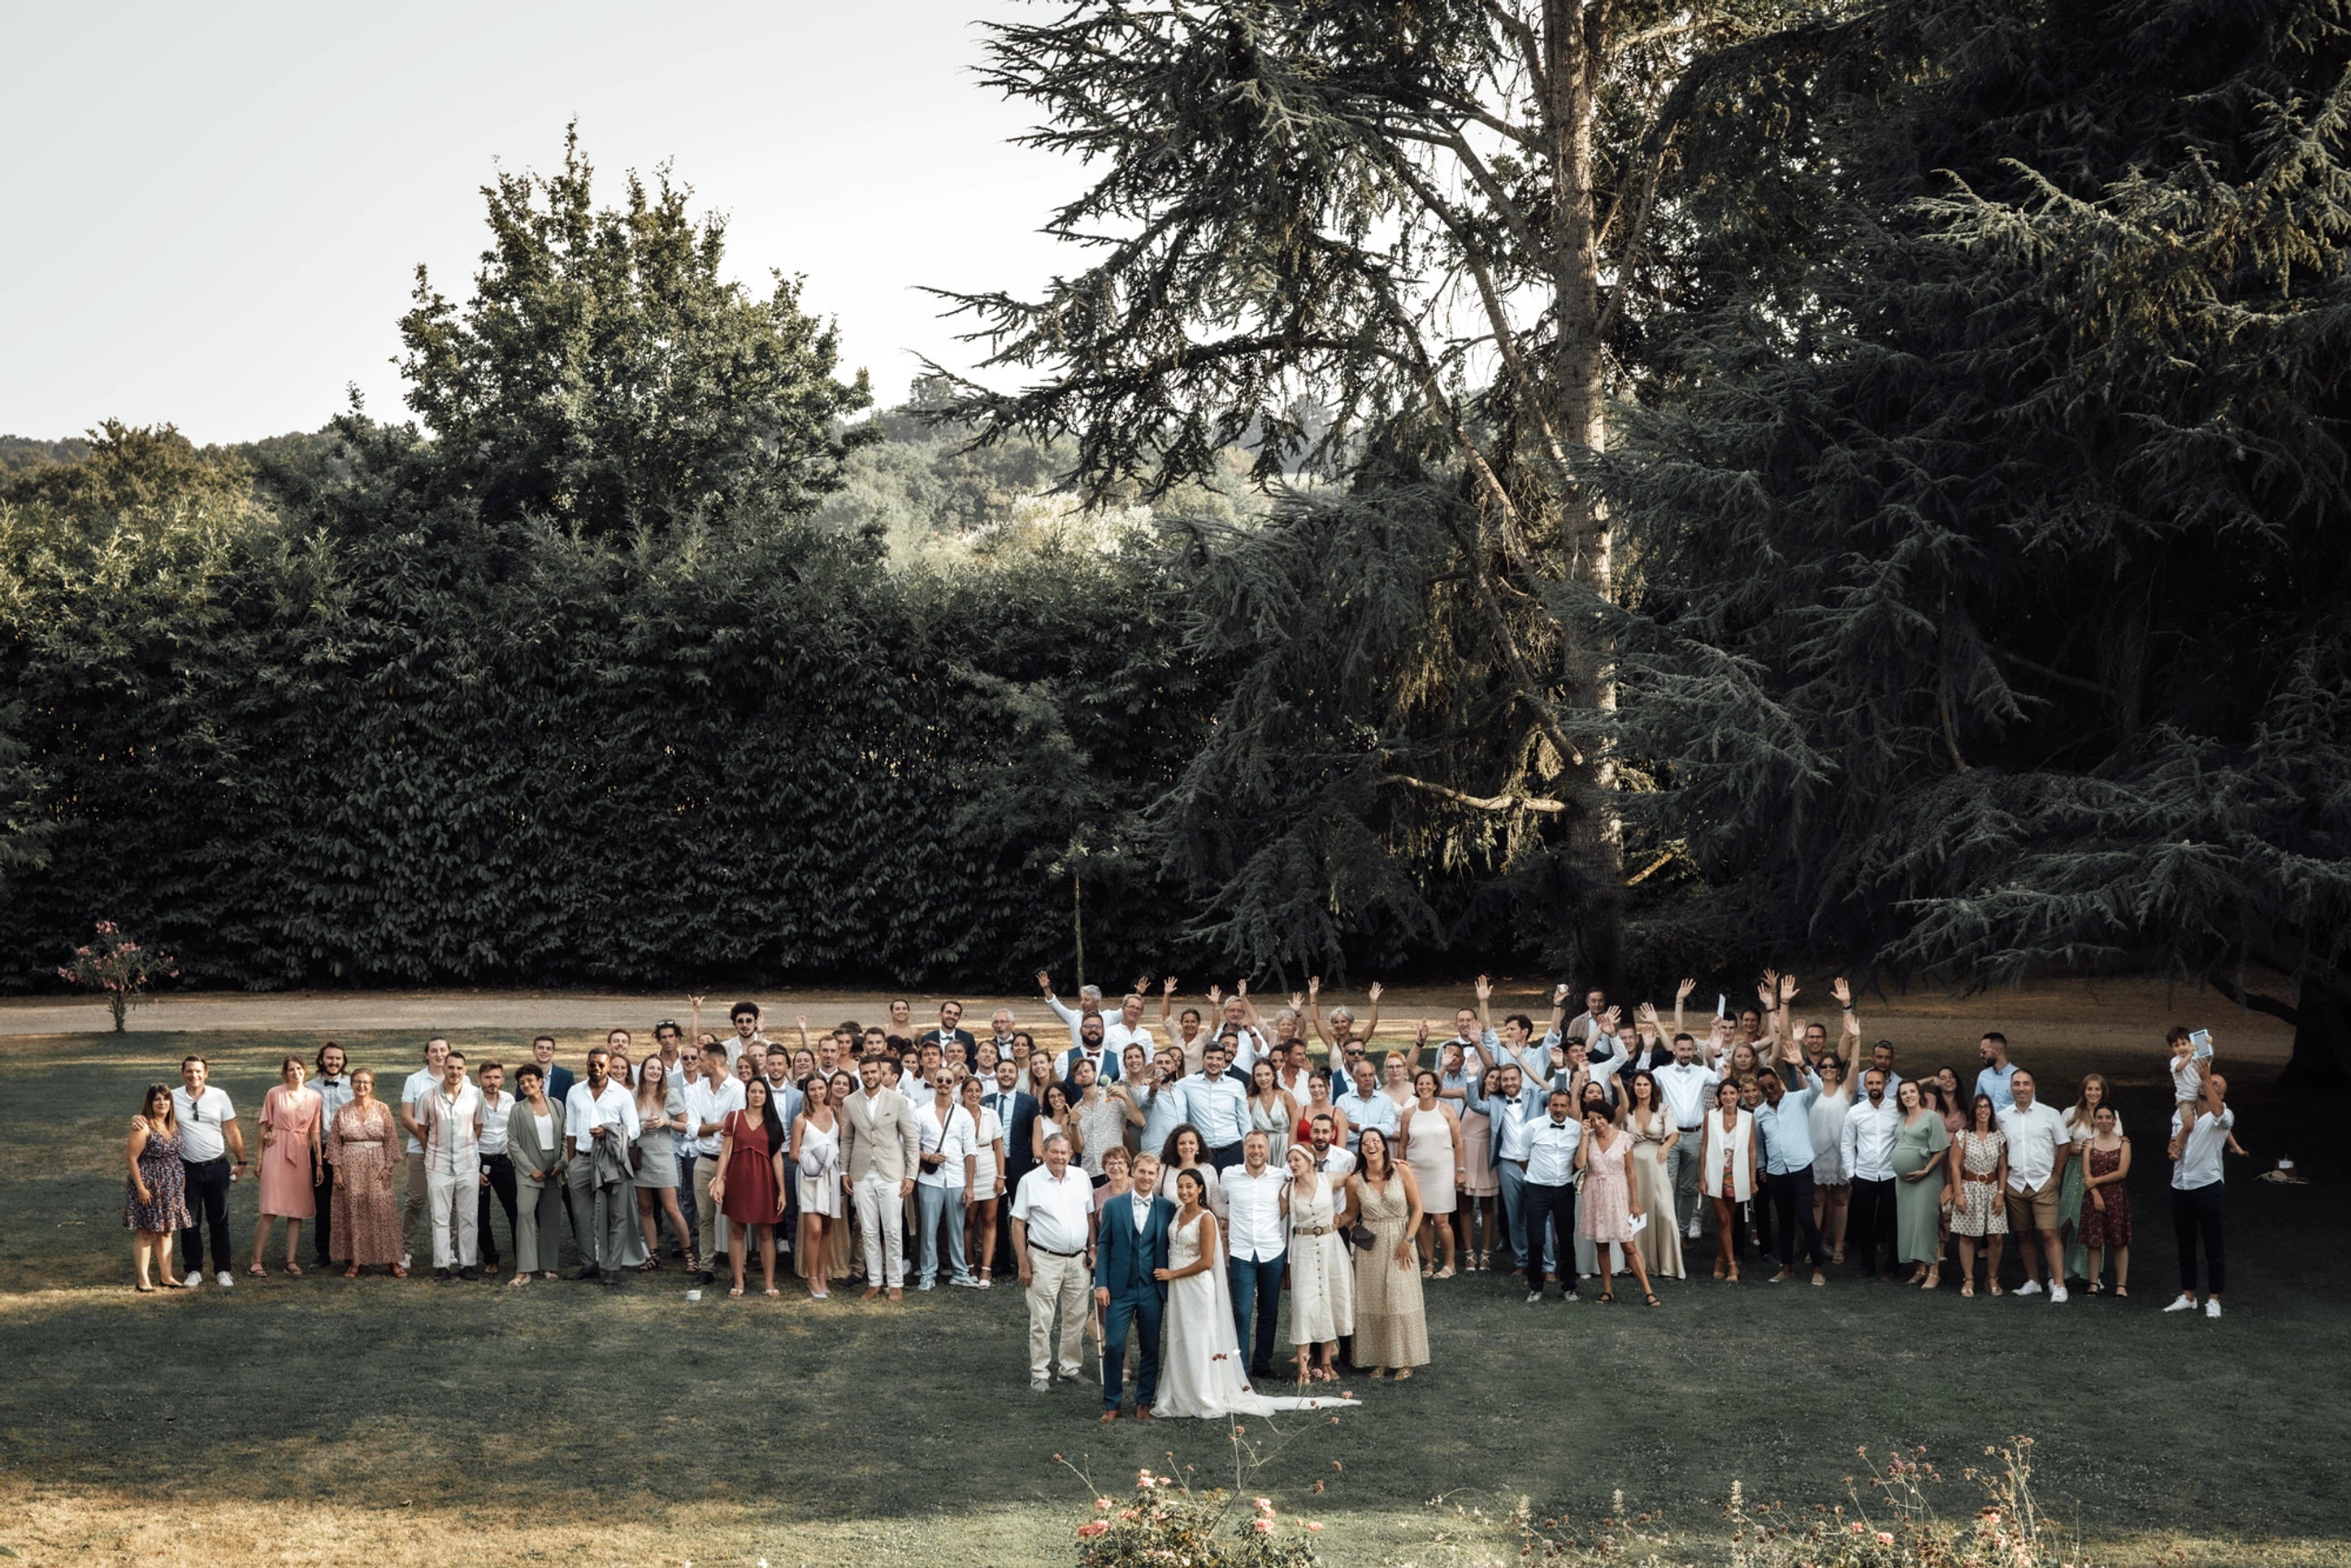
(1130, 1252)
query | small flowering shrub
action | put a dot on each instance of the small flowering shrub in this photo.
(1165, 1524)
(1889, 1522)
(119, 966)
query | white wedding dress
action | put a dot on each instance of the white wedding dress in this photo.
(1202, 1373)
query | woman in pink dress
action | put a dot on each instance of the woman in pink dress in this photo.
(291, 1161)
(364, 1147)
(1605, 1209)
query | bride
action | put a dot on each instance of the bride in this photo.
(1203, 1373)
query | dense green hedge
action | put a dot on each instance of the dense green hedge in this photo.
(371, 744)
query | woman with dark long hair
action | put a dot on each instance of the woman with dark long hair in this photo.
(750, 1184)
(155, 1203)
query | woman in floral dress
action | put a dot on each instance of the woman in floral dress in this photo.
(155, 1199)
(1982, 1154)
(362, 1147)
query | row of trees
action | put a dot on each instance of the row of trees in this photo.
(1732, 475)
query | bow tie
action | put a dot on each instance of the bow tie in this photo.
(1559, 1124)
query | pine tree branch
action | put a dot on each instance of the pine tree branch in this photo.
(1479, 802)
(1520, 32)
(2255, 1000)
(2057, 675)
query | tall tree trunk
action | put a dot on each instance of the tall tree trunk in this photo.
(2322, 1034)
(1573, 37)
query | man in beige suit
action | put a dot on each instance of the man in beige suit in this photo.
(879, 1147)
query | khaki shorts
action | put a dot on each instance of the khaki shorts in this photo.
(2033, 1211)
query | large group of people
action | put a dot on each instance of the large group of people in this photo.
(1165, 1185)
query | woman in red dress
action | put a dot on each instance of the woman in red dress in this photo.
(748, 1188)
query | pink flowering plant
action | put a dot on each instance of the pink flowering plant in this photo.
(121, 968)
(1164, 1524)
(1888, 1521)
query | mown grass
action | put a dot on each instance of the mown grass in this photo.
(395, 1422)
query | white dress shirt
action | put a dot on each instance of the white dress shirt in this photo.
(1253, 1213)
(1338, 1164)
(493, 1123)
(584, 1111)
(1055, 1211)
(201, 1120)
(951, 1141)
(2034, 1137)
(1869, 1132)
(707, 1105)
(1550, 1150)
(1685, 1091)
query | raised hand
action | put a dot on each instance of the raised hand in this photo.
(1420, 1032)
(694, 1002)
(1485, 989)
(1559, 994)
(1313, 985)
(1240, 987)
(1044, 982)
(1787, 988)
(1374, 993)
(1614, 1017)
(1297, 1001)
(1216, 996)
(1767, 990)
(800, 1019)
(1842, 991)
(1682, 991)
(1141, 983)
(1168, 986)
(1646, 1014)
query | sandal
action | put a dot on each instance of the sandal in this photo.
(2092, 1288)
(353, 1272)
(517, 1281)
(1653, 1298)
(1446, 1273)
(400, 1271)
(1996, 1290)
(142, 1287)
(1605, 1298)
(1402, 1373)
(256, 1271)
(1428, 1272)
(738, 1289)
(295, 1269)
(1968, 1289)
(2122, 1292)
(649, 1265)
(1933, 1281)
(771, 1291)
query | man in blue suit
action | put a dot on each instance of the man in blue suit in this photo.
(1131, 1284)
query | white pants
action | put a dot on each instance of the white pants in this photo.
(1060, 1286)
(881, 1220)
(457, 1203)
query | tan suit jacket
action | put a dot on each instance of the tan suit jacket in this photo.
(878, 1137)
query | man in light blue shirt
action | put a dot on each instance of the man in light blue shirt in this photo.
(1998, 1072)
(1162, 1099)
(1365, 1107)
(1219, 1108)
(1549, 1195)
(1784, 1122)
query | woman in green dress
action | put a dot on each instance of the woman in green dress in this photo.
(2081, 1127)
(1922, 1171)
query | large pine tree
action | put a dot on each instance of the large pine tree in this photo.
(1992, 608)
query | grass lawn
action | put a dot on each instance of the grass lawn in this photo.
(401, 1421)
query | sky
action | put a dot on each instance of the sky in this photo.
(215, 211)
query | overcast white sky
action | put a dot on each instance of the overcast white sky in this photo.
(215, 211)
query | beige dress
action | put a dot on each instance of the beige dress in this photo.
(1322, 1283)
(1391, 1326)
(1428, 1149)
(1660, 1241)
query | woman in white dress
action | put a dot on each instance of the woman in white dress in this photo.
(987, 1177)
(1202, 1372)
(1322, 1277)
(1432, 1144)
(1727, 1173)
(815, 1161)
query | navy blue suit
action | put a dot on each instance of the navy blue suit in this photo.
(1123, 1259)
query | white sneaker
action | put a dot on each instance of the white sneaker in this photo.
(2057, 1295)
(2029, 1288)
(1039, 1386)
(1693, 1229)
(2185, 1303)
(192, 1282)
(223, 1279)
(2212, 1307)
(407, 1260)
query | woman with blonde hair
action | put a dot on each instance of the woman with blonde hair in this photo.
(2081, 1127)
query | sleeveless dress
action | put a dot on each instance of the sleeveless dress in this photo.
(819, 1179)
(2110, 1226)
(1428, 1149)
(1202, 1374)
(751, 1196)
(1981, 1212)
(286, 1187)
(1479, 1177)
(1277, 1135)
(1604, 1211)
(1391, 1325)
(166, 1208)
(1322, 1282)
(362, 1147)
(1660, 1242)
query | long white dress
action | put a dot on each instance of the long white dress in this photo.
(1203, 1374)
(1321, 1276)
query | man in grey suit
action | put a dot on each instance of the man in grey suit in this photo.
(599, 1123)
(879, 1147)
